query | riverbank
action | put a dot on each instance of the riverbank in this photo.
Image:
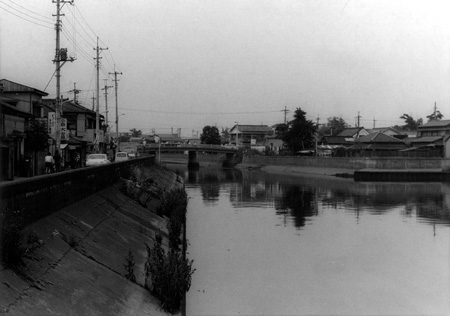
(79, 267)
(299, 170)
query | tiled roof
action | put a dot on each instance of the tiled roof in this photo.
(435, 123)
(350, 131)
(336, 140)
(10, 86)
(252, 128)
(383, 130)
(426, 139)
(378, 138)
(68, 106)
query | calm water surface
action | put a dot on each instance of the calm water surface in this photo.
(277, 245)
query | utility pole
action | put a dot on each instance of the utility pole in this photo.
(358, 117)
(97, 110)
(116, 87)
(286, 111)
(60, 56)
(374, 122)
(106, 107)
(75, 92)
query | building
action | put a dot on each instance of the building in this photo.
(353, 132)
(249, 135)
(20, 105)
(434, 128)
(78, 136)
(377, 144)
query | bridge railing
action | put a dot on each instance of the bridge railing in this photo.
(190, 146)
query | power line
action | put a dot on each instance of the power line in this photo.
(82, 37)
(95, 34)
(30, 16)
(81, 26)
(25, 18)
(33, 12)
(198, 113)
(90, 83)
(83, 53)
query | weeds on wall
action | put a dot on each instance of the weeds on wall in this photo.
(14, 245)
(174, 206)
(129, 267)
(170, 276)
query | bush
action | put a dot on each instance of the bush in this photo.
(12, 245)
(170, 276)
(173, 205)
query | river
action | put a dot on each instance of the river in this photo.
(266, 244)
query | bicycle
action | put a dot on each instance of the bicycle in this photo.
(49, 168)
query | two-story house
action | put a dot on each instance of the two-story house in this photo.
(20, 105)
(430, 137)
(249, 135)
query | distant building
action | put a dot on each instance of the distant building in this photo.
(249, 135)
(434, 128)
(430, 138)
(353, 132)
(79, 137)
(377, 144)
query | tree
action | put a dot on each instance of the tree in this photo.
(135, 132)
(300, 133)
(334, 126)
(411, 124)
(281, 129)
(210, 135)
(36, 139)
(435, 116)
(225, 135)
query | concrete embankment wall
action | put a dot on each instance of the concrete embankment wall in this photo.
(43, 195)
(79, 267)
(355, 163)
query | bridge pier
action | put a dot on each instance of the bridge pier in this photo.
(229, 160)
(193, 163)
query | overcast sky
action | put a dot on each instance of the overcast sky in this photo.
(187, 64)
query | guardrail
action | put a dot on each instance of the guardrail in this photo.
(42, 195)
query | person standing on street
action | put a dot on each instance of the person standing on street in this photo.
(49, 163)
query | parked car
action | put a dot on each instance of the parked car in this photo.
(132, 154)
(121, 156)
(96, 159)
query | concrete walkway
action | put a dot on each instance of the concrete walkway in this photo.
(79, 269)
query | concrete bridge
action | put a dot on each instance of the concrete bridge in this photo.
(232, 154)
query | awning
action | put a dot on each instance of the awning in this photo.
(63, 146)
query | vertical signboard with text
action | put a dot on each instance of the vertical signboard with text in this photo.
(52, 127)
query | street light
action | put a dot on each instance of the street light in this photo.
(237, 134)
(158, 139)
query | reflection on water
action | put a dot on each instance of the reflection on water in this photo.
(429, 202)
(278, 245)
